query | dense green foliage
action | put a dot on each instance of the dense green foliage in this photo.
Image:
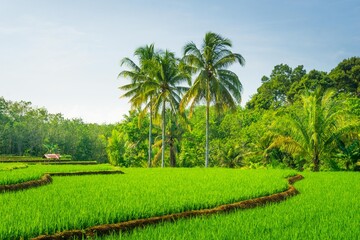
(127, 145)
(327, 208)
(285, 85)
(311, 130)
(246, 138)
(260, 134)
(30, 131)
(81, 201)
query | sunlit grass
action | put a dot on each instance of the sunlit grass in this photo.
(12, 166)
(326, 208)
(33, 172)
(83, 201)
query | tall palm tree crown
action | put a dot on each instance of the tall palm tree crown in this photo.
(214, 83)
(168, 87)
(140, 90)
(155, 84)
(140, 76)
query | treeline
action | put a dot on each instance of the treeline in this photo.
(297, 119)
(285, 85)
(29, 131)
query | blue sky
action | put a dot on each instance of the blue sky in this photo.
(64, 54)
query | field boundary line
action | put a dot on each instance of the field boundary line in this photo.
(52, 162)
(14, 168)
(105, 229)
(46, 178)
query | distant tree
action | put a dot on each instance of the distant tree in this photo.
(286, 85)
(214, 82)
(346, 76)
(116, 148)
(3, 122)
(309, 82)
(192, 152)
(126, 146)
(31, 131)
(275, 90)
(51, 148)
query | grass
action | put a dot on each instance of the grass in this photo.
(327, 208)
(33, 172)
(83, 201)
(29, 158)
(22, 158)
(12, 166)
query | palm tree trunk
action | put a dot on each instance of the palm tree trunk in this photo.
(163, 135)
(347, 165)
(172, 144)
(207, 134)
(316, 162)
(150, 139)
(172, 153)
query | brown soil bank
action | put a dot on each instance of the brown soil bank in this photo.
(46, 179)
(105, 229)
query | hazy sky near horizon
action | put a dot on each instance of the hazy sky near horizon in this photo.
(64, 54)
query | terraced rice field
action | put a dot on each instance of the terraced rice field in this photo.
(18, 172)
(78, 202)
(326, 208)
(11, 166)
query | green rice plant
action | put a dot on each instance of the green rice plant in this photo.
(19, 158)
(33, 172)
(12, 166)
(79, 202)
(326, 208)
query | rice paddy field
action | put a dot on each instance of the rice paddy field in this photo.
(11, 173)
(77, 202)
(327, 207)
(11, 166)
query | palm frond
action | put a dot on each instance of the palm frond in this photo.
(287, 144)
(130, 64)
(194, 92)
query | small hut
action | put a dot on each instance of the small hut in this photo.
(52, 156)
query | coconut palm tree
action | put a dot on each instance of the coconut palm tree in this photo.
(168, 87)
(214, 83)
(175, 129)
(312, 130)
(140, 90)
